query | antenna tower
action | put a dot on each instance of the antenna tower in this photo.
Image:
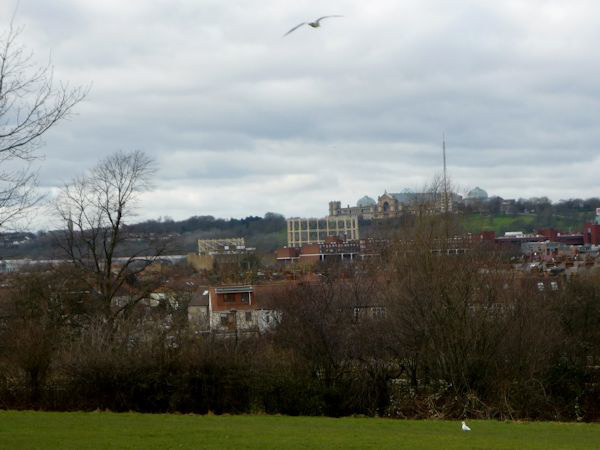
(445, 207)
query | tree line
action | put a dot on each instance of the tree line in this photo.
(534, 205)
(270, 223)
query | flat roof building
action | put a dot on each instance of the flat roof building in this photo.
(315, 231)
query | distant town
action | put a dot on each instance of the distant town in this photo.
(235, 263)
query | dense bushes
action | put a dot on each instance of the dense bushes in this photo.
(425, 336)
(195, 375)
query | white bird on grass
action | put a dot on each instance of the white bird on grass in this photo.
(315, 24)
(465, 427)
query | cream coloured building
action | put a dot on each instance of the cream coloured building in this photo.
(314, 231)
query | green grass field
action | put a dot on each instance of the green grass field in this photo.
(32, 430)
(475, 222)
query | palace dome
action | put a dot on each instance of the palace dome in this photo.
(365, 201)
(477, 193)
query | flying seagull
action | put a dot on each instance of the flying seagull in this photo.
(465, 427)
(315, 24)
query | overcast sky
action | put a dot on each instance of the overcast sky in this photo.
(242, 121)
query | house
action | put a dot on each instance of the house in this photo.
(198, 316)
(243, 309)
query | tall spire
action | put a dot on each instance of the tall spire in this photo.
(444, 154)
(445, 207)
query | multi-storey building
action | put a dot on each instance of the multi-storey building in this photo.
(303, 231)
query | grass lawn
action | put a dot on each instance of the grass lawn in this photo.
(31, 430)
(573, 222)
(500, 223)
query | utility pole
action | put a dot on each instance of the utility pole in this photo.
(445, 207)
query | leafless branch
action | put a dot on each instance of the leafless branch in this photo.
(31, 103)
(93, 209)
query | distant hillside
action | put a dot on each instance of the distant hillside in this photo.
(471, 222)
(501, 223)
(528, 214)
(270, 232)
(265, 233)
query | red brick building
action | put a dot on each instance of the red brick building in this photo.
(243, 309)
(591, 234)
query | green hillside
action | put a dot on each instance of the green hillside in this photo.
(501, 223)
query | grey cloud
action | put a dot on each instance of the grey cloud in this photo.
(229, 108)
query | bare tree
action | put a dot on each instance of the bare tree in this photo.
(93, 209)
(31, 103)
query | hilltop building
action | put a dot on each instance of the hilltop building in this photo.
(365, 208)
(365, 201)
(477, 194)
(391, 205)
